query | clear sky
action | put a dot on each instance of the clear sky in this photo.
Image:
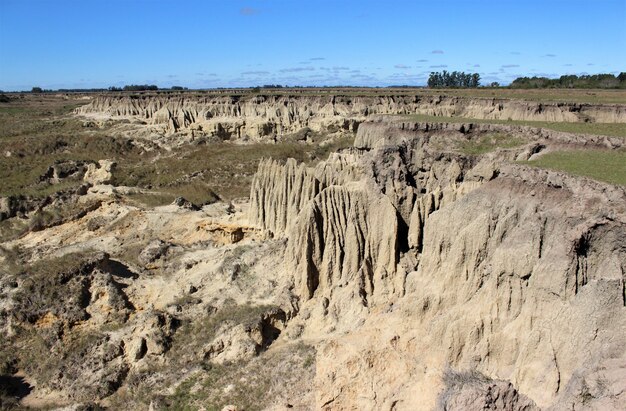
(201, 44)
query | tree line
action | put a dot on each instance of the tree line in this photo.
(572, 81)
(454, 79)
(132, 87)
(135, 87)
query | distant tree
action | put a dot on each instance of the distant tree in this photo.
(572, 81)
(140, 87)
(113, 88)
(432, 80)
(494, 84)
(453, 79)
(36, 90)
(475, 81)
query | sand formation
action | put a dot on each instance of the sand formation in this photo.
(428, 261)
(257, 117)
(398, 274)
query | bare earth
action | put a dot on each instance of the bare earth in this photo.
(394, 264)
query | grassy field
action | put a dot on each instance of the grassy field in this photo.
(546, 95)
(489, 142)
(605, 129)
(602, 165)
(591, 96)
(36, 132)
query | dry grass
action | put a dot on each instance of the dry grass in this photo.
(249, 384)
(223, 169)
(275, 376)
(455, 381)
(36, 132)
(489, 142)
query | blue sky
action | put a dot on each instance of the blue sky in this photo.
(202, 44)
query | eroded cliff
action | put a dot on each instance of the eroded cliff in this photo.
(417, 259)
(261, 117)
(427, 267)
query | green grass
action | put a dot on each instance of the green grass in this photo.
(602, 165)
(33, 137)
(13, 228)
(197, 192)
(220, 169)
(489, 142)
(606, 129)
(323, 151)
(12, 111)
(591, 96)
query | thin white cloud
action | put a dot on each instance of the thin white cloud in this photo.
(255, 73)
(436, 52)
(297, 69)
(335, 68)
(248, 11)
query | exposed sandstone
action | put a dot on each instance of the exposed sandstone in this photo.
(256, 117)
(381, 132)
(100, 173)
(345, 238)
(428, 259)
(400, 259)
(153, 251)
(279, 192)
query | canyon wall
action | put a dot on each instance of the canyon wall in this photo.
(413, 263)
(259, 116)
